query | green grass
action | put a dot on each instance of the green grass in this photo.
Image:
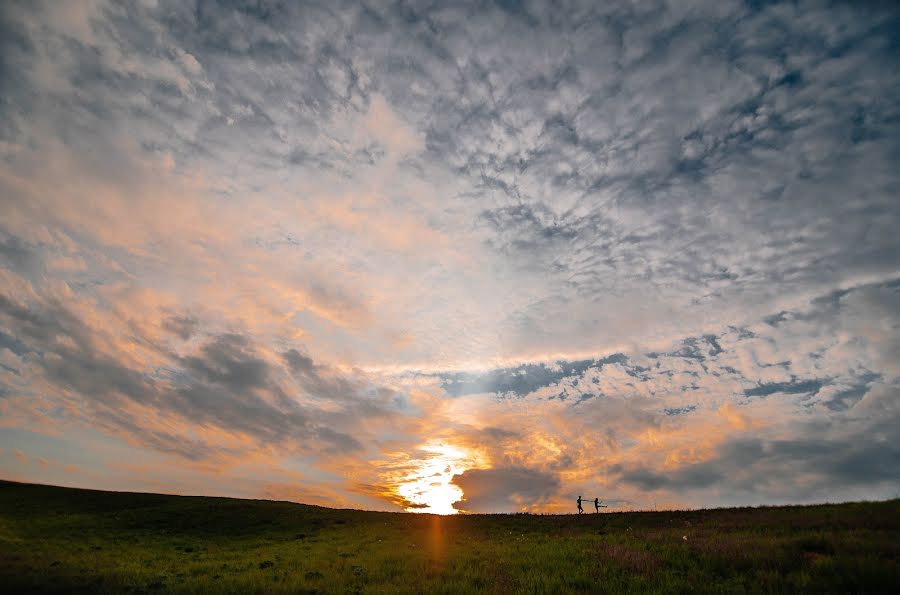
(60, 539)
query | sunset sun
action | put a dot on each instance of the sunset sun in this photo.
(429, 487)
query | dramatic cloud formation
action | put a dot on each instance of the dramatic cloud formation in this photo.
(481, 257)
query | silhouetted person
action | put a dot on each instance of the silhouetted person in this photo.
(597, 504)
(580, 509)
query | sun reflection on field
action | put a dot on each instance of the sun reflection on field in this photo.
(428, 486)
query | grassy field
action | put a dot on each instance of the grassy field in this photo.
(60, 539)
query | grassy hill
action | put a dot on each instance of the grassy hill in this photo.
(61, 539)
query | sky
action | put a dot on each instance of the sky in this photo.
(479, 257)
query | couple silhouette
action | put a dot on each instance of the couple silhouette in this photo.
(597, 505)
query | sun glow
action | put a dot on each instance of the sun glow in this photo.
(429, 486)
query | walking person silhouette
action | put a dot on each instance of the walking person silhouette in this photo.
(597, 505)
(580, 509)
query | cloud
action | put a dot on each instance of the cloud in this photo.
(614, 247)
(18, 255)
(492, 490)
(521, 380)
(564, 174)
(319, 381)
(183, 326)
(818, 460)
(795, 386)
(226, 384)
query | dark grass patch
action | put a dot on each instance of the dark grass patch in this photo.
(638, 559)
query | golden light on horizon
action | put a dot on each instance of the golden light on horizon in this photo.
(430, 485)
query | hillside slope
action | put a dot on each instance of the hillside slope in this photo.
(61, 539)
